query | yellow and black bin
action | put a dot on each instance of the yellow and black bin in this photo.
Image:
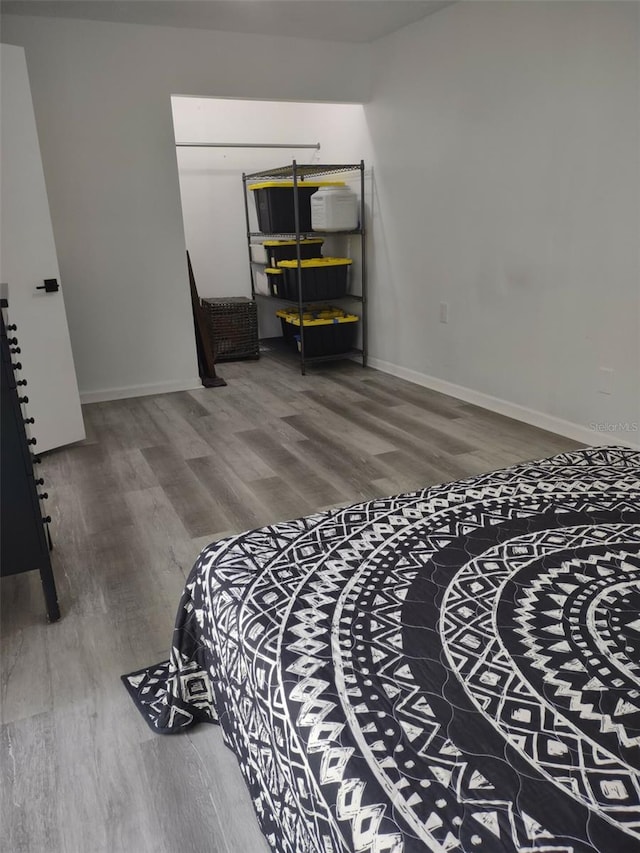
(321, 278)
(327, 331)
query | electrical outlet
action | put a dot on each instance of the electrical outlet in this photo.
(444, 312)
(605, 380)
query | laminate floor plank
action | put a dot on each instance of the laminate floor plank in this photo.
(418, 428)
(163, 548)
(186, 816)
(226, 787)
(284, 384)
(101, 506)
(334, 449)
(157, 479)
(176, 431)
(395, 485)
(422, 398)
(241, 506)
(415, 470)
(25, 677)
(184, 403)
(123, 424)
(262, 399)
(221, 424)
(417, 441)
(148, 429)
(131, 470)
(349, 479)
(242, 460)
(217, 402)
(261, 418)
(127, 573)
(341, 424)
(506, 435)
(96, 743)
(297, 472)
(192, 503)
(275, 492)
(501, 425)
(86, 462)
(28, 808)
(76, 555)
(101, 427)
(480, 461)
(367, 391)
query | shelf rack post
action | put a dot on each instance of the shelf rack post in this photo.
(363, 267)
(296, 218)
(248, 224)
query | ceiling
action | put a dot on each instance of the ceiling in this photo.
(332, 20)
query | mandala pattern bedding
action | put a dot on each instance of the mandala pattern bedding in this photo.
(456, 669)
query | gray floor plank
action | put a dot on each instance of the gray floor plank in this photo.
(192, 503)
(28, 808)
(335, 450)
(301, 476)
(241, 506)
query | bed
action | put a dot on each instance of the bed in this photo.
(455, 669)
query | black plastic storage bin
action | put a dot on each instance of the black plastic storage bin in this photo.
(287, 327)
(275, 205)
(285, 250)
(326, 331)
(322, 278)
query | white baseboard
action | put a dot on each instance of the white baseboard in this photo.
(139, 390)
(577, 432)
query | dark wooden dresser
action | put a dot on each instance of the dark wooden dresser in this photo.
(24, 539)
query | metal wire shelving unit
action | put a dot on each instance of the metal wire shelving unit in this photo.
(299, 173)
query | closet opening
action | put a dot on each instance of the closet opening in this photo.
(220, 139)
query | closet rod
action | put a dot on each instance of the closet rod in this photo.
(244, 145)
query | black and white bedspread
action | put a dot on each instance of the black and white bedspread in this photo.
(456, 669)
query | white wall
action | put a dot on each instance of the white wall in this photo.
(211, 178)
(102, 101)
(507, 156)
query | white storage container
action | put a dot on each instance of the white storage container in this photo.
(334, 209)
(258, 253)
